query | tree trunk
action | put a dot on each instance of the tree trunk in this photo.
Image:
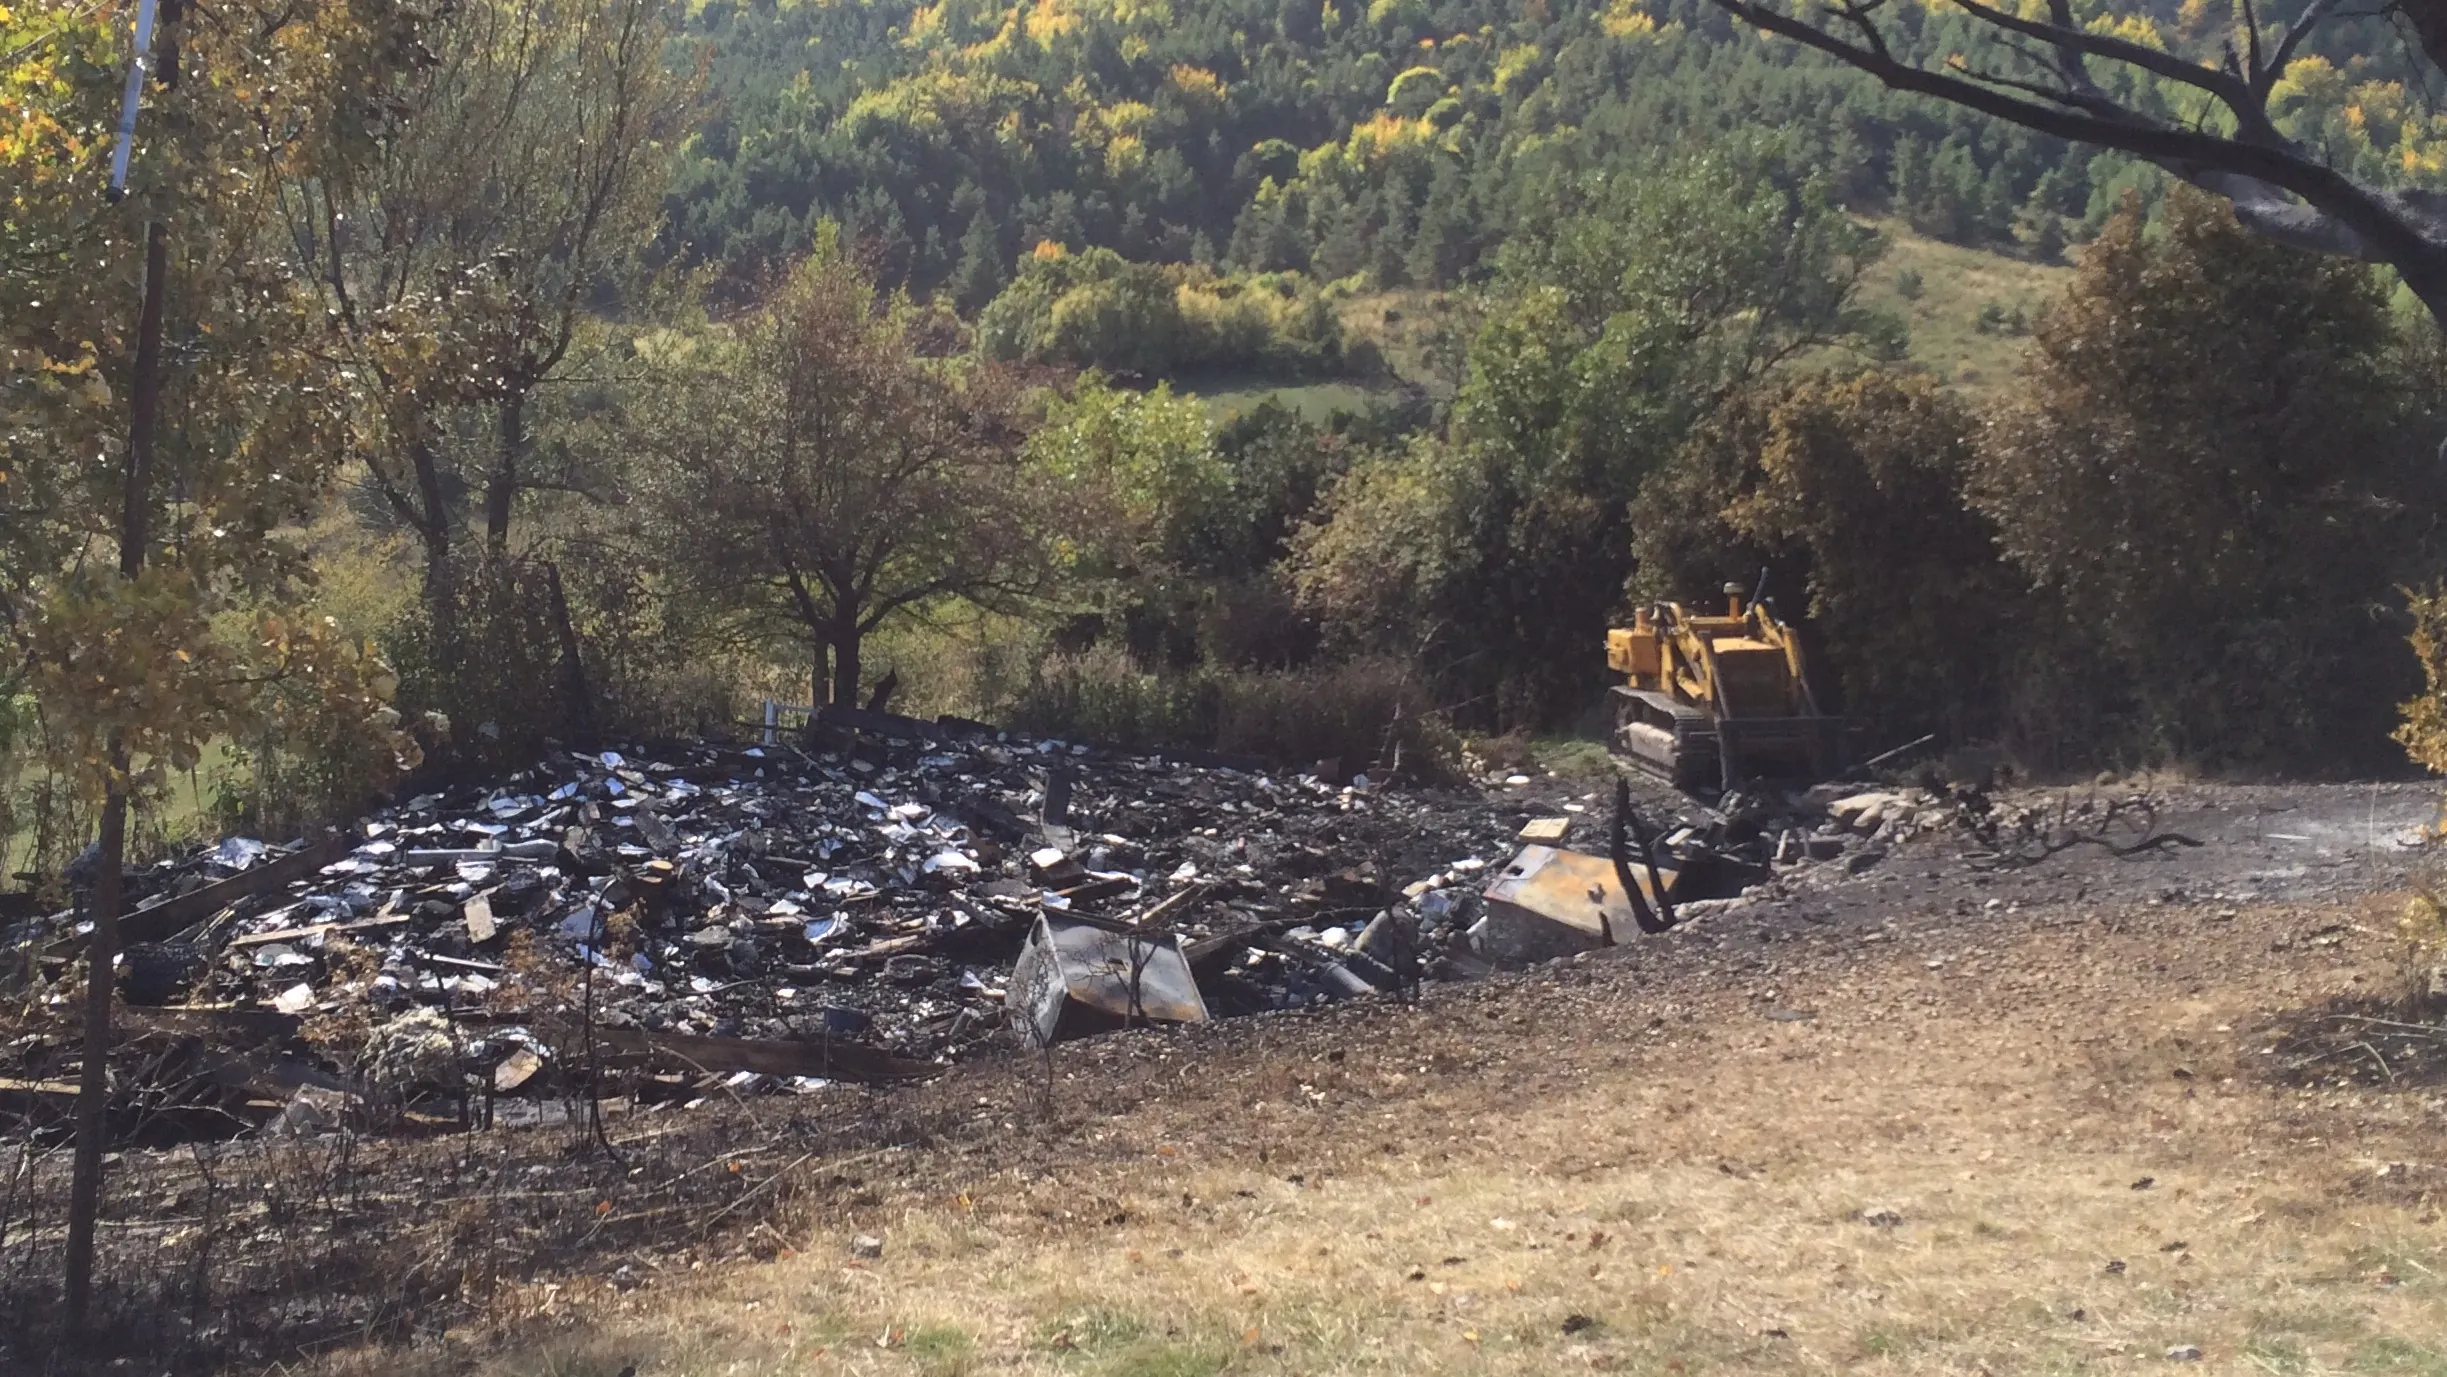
(577, 702)
(845, 640)
(433, 525)
(433, 531)
(102, 948)
(438, 581)
(93, 1085)
(819, 678)
(502, 487)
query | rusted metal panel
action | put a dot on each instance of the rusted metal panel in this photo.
(1075, 978)
(1551, 902)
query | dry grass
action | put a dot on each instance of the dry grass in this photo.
(1935, 1173)
(1955, 282)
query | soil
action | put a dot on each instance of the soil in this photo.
(1932, 991)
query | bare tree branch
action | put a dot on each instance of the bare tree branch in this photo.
(2068, 38)
(2265, 77)
(2277, 189)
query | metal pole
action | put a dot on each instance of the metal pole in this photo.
(133, 97)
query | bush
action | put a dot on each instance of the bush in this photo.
(2423, 732)
(1848, 491)
(488, 657)
(1370, 713)
(1099, 310)
(1624, 311)
(2219, 470)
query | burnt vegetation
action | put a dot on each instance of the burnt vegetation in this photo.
(705, 531)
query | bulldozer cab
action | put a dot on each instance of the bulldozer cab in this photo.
(1718, 698)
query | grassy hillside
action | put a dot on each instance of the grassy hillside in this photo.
(1943, 310)
(1939, 291)
(1912, 1150)
(1315, 402)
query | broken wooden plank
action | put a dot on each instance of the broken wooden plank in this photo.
(1097, 886)
(162, 921)
(455, 963)
(311, 930)
(892, 946)
(10, 1085)
(223, 1024)
(1172, 904)
(273, 1077)
(538, 850)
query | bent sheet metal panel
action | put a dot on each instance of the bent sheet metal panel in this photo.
(1074, 978)
(1547, 902)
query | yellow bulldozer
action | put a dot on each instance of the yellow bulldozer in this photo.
(1714, 701)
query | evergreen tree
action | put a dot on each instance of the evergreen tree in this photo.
(1442, 248)
(981, 271)
(1997, 205)
(1952, 208)
(1908, 177)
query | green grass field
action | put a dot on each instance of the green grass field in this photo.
(1943, 315)
(1313, 401)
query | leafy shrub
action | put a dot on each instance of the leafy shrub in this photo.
(2423, 732)
(1848, 492)
(2219, 468)
(1099, 310)
(487, 656)
(1372, 712)
(1625, 311)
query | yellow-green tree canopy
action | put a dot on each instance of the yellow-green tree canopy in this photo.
(257, 413)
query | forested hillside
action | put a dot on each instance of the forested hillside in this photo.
(1386, 145)
(673, 356)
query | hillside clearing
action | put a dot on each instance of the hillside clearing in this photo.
(1944, 315)
(2050, 1140)
(1315, 403)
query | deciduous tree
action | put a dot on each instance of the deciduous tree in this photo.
(2220, 468)
(814, 472)
(1848, 492)
(172, 404)
(1630, 313)
(516, 195)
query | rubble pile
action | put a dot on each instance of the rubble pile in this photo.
(869, 905)
(1839, 822)
(871, 898)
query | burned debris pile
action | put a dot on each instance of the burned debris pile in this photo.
(863, 907)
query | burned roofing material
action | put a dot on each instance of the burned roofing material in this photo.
(770, 917)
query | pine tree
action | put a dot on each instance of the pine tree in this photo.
(1997, 202)
(981, 271)
(1908, 177)
(1442, 248)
